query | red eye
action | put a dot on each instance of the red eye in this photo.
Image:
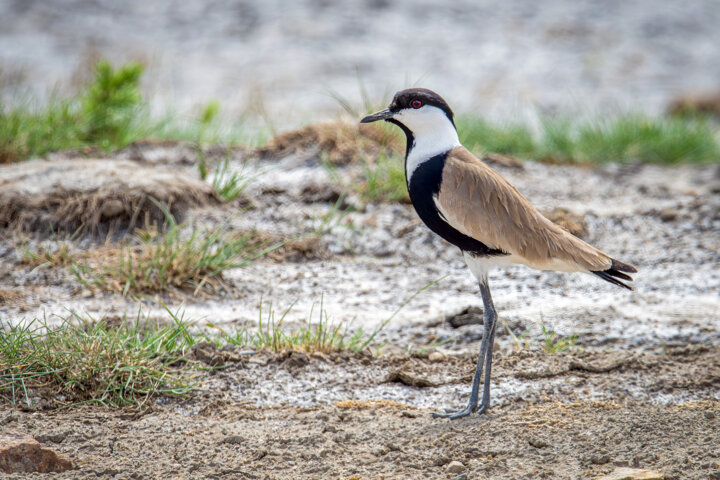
(416, 104)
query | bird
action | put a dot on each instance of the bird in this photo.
(470, 205)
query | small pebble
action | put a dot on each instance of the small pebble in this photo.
(668, 214)
(537, 442)
(233, 440)
(436, 357)
(455, 467)
(11, 417)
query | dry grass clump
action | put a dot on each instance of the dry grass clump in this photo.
(339, 142)
(178, 258)
(173, 259)
(299, 249)
(10, 296)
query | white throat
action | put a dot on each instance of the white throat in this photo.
(432, 131)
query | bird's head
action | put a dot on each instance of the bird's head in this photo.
(426, 119)
(418, 110)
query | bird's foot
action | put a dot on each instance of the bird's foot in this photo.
(453, 414)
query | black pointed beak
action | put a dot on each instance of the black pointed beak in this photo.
(381, 115)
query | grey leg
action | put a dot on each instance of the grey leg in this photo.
(484, 361)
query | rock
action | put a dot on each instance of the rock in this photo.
(10, 417)
(22, 453)
(54, 437)
(409, 379)
(624, 473)
(714, 187)
(296, 360)
(206, 352)
(467, 316)
(538, 442)
(233, 440)
(599, 459)
(436, 357)
(112, 208)
(321, 194)
(409, 414)
(455, 467)
(668, 214)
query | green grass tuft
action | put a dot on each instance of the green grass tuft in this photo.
(624, 138)
(229, 184)
(322, 335)
(549, 341)
(554, 343)
(83, 360)
(106, 114)
(478, 134)
(382, 180)
(110, 106)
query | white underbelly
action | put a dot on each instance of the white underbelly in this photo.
(480, 266)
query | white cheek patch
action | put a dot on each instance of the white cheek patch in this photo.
(434, 134)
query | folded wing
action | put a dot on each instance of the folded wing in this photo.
(480, 203)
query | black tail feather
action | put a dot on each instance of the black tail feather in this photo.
(617, 274)
(622, 267)
(614, 273)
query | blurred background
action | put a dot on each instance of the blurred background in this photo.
(291, 60)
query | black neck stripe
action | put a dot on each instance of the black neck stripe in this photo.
(424, 185)
(409, 137)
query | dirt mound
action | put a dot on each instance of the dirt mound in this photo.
(341, 142)
(92, 197)
(706, 102)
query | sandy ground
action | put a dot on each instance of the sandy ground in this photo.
(550, 430)
(641, 388)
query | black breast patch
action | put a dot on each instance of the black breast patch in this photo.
(423, 186)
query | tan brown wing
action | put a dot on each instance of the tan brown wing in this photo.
(480, 203)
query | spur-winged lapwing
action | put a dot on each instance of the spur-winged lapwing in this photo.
(471, 206)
